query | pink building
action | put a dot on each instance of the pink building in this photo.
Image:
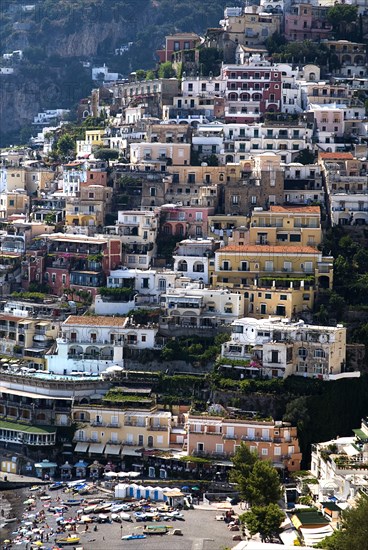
(185, 221)
(176, 43)
(215, 436)
(307, 22)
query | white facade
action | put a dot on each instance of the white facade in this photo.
(102, 73)
(73, 176)
(349, 209)
(192, 258)
(92, 344)
(279, 348)
(338, 465)
(196, 306)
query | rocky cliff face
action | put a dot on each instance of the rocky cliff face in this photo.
(57, 36)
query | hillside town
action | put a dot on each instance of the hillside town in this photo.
(184, 270)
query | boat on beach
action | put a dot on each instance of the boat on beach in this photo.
(67, 541)
(133, 537)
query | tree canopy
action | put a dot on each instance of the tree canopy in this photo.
(265, 520)
(258, 481)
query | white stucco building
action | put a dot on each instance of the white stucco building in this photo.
(277, 347)
(93, 343)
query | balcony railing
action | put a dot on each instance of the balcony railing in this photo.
(157, 428)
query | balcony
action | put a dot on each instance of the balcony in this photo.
(228, 436)
(157, 428)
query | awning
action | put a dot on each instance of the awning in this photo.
(81, 447)
(43, 323)
(96, 448)
(112, 449)
(129, 450)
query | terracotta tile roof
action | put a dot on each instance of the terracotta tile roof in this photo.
(268, 249)
(337, 156)
(296, 209)
(95, 320)
(13, 318)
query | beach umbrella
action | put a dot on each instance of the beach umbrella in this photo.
(29, 501)
(110, 474)
(185, 488)
(195, 489)
(38, 543)
(7, 541)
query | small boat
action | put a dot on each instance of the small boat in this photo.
(9, 520)
(45, 497)
(120, 508)
(103, 507)
(89, 509)
(103, 518)
(57, 485)
(66, 541)
(133, 537)
(73, 501)
(77, 482)
(124, 516)
(35, 488)
(116, 518)
(155, 530)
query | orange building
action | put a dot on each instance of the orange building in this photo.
(220, 437)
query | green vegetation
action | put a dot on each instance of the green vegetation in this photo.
(265, 520)
(143, 316)
(344, 20)
(193, 349)
(31, 296)
(117, 294)
(354, 531)
(258, 481)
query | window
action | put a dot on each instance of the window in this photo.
(274, 356)
(268, 296)
(253, 199)
(319, 353)
(294, 238)
(144, 338)
(303, 353)
(277, 451)
(235, 199)
(264, 452)
(152, 191)
(268, 265)
(219, 448)
(283, 296)
(199, 216)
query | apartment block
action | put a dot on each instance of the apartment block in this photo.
(279, 348)
(114, 432)
(220, 437)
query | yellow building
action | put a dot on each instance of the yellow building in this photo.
(222, 226)
(292, 225)
(111, 431)
(13, 203)
(284, 277)
(95, 137)
(276, 261)
(26, 338)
